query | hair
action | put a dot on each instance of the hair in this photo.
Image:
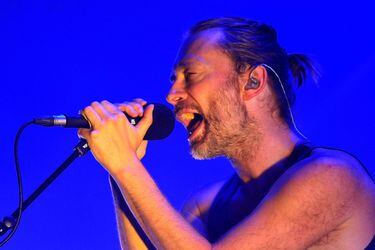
(251, 43)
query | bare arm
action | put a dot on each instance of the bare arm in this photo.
(304, 204)
(128, 235)
(302, 208)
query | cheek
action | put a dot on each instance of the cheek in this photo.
(202, 90)
(209, 93)
(208, 85)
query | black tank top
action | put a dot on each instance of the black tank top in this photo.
(218, 222)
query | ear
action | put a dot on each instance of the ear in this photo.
(253, 80)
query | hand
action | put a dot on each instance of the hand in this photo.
(113, 140)
(135, 109)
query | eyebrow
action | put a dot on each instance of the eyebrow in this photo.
(183, 64)
(187, 62)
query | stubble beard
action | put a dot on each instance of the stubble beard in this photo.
(229, 130)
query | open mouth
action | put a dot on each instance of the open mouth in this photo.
(194, 123)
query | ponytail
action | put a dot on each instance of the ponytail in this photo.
(301, 66)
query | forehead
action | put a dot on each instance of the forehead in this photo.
(202, 48)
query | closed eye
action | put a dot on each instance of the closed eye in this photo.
(188, 75)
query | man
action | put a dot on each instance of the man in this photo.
(231, 91)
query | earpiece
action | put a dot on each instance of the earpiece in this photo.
(252, 84)
(286, 99)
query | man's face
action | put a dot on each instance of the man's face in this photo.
(207, 100)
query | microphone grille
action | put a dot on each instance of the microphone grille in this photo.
(163, 122)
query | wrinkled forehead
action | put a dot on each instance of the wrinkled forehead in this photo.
(199, 48)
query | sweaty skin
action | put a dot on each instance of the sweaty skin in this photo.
(326, 201)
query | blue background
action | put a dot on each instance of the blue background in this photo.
(59, 56)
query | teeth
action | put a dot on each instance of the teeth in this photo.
(187, 116)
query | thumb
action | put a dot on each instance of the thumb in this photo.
(144, 124)
(141, 150)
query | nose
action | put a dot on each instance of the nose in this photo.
(176, 95)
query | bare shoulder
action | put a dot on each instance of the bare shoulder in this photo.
(326, 200)
(330, 170)
(337, 167)
(332, 194)
(346, 174)
(333, 164)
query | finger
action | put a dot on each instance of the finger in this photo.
(142, 146)
(144, 143)
(141, 151)
(128, 109)
(138, 107)
(140, 101)
(83, 133)
(110, 107)
(144, 124)
(92, 116)
(136, 104)
(102, 112)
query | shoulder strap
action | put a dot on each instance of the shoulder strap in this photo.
(217, 221)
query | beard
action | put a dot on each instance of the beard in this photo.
(229, 130)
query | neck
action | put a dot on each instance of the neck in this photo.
(273, 146)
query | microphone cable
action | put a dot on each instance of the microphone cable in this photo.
(9, 221)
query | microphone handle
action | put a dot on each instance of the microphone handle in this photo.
(73, 121)
(80, 122)
(162, 125)
(76, 122)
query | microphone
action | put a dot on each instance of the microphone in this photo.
(161, 127)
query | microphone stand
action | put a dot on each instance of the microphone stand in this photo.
(79, 150)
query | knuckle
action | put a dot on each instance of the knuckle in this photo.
(132, 109)
(119, 117)
(139, 106)
(139, 100)
(86, 109)
(112, 119)
(121, 105)
(124, 105)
